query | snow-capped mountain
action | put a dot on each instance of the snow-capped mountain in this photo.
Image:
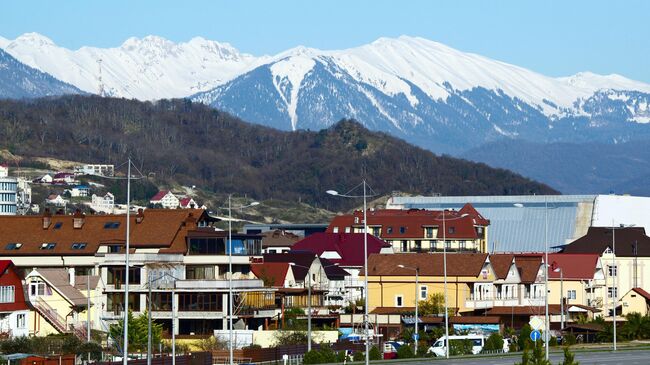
(432, 95)
(428, 93)
(147, 69)
(18, 80)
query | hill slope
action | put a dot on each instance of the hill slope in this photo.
(194, 144)
(18, 81)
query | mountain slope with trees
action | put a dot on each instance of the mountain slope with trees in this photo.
(192, 144)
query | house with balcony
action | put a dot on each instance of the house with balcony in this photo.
(347, 251)
(576, 279)
(419, 230)
(14, 309)
(165, 199)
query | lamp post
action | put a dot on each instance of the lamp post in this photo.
(230, 291)
(444, 268)
(365, 260)
(559, 269)
(125, 357)
(417, 319)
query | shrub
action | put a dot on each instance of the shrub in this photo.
(312, 357)
(340, 357)
(524, 340)
(460, 347)
(327, 355)
(359, 356)
(569, 358)
(404, 352)
(493, 343)
(552, 341)
(569, 339)
(375, 354)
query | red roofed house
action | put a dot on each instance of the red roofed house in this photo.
(187, 203)
(636, 300)
(166, 199)
(578, 279)
(419, 230)
(14, 311)
(63, 178)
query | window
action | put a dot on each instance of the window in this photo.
(399, 300)
(402, 230)
(115, 302)
(347, 229)
(429, 232)
(405, 246)
(79, 245)
(423, 292)
(161, 301)
(462, 244)
(7, 294)
(356, 220)
(612, 292)
(335, 230)
(375, 231)
(571, 294)
(58, 225)
(116, 275)
(48, 246)
(39, 288)
(111, 225)
(389, 230)
(114, 248)
(209, 246)
(608, 250)
(451, 230)
(20, 320)
(612, 270)
(193, 302)
(13, 246)
(199, 272)
(418, 245)
(448, 244)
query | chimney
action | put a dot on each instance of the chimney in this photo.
(190, 221)
(71, 276)
(47, 218)
(78, 219)
(140, 216)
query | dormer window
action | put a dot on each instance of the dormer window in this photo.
(111, 225)
(58, 225)
(452, 230)
(608, 250)
(48, 246)
(13, 246)
(79, 245)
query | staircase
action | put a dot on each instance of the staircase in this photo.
(55, 319)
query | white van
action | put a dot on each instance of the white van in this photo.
(439, 346)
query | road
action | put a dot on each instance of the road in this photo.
(635, 357)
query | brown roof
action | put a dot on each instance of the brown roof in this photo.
(574, 266)
(553, 309)
(429, 264)
(392, 310)
(279, 238)
(630, 242)
(158, 228)
(81, 282)
(501, 264)
(273, 272)
(528, 266)
(474, 319)
(60, 281)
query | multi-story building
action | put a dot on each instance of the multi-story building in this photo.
(8, 194)
(166, 199)
(14, 309)
(178, 251)
(103, 204)
(418, 230)
(95, 169)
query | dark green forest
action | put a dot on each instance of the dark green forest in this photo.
(192, 144)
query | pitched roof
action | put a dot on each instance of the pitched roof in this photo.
(81, 282)
(332, 270)
(528, 266)
(574, 266)
(185, 201)
(411, 222)
(303, 261)
(553, 309)
(642, 292)
(628, 241)
(348, 246)
(392, 310)
(275, 272)
(429, 264)
(159, 195)
(4, 265)
(501, 264)
(279, 238)
(158, 228)
(60, 281)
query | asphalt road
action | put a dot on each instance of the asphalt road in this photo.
(635, 357)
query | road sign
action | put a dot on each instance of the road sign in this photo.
(416, 336)
(536, 323)
(535, 335)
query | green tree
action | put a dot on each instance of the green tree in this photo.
(538, 357)
(494, 342)
(569, 358)
(524, 340)
(433, 305)
(404, 352)
(312, 357)
(460, 347)
(138, 332)
(636, 326)
(375, 354)
(284, 337)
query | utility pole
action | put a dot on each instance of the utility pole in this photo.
(126, 273)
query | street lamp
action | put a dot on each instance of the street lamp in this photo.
(308, 304)
(444, 267)
(559, 269)
(365, 257)
(230, 292)
(417, 319)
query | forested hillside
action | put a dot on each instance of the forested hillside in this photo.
(192, 144)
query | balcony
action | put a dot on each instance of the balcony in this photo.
(141, 258)
(474, 302)
(219, 284)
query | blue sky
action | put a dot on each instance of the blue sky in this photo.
(556, 38)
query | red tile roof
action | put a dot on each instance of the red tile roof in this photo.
(574, 266)
(184, 202)
(273, 272)
(528, 266)
(410, 223)
(642, 292)
(349, 246)
(429, 264)
(159, 195)
(501, 264)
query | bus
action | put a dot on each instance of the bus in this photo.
(438, 348)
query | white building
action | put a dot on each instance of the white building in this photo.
(166, 199)
(56, 199)
(8, 195)
(95, 169)
(103, 204)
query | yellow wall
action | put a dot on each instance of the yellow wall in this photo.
(634, 302)
(577, 285)
(383, 293)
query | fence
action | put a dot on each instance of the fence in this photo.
(276, 354)
(195, 358)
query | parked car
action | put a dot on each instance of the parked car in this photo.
(439, 347)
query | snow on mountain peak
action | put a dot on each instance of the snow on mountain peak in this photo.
(288, 74)
(593, 82)
(3, 42)
(34, 39)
